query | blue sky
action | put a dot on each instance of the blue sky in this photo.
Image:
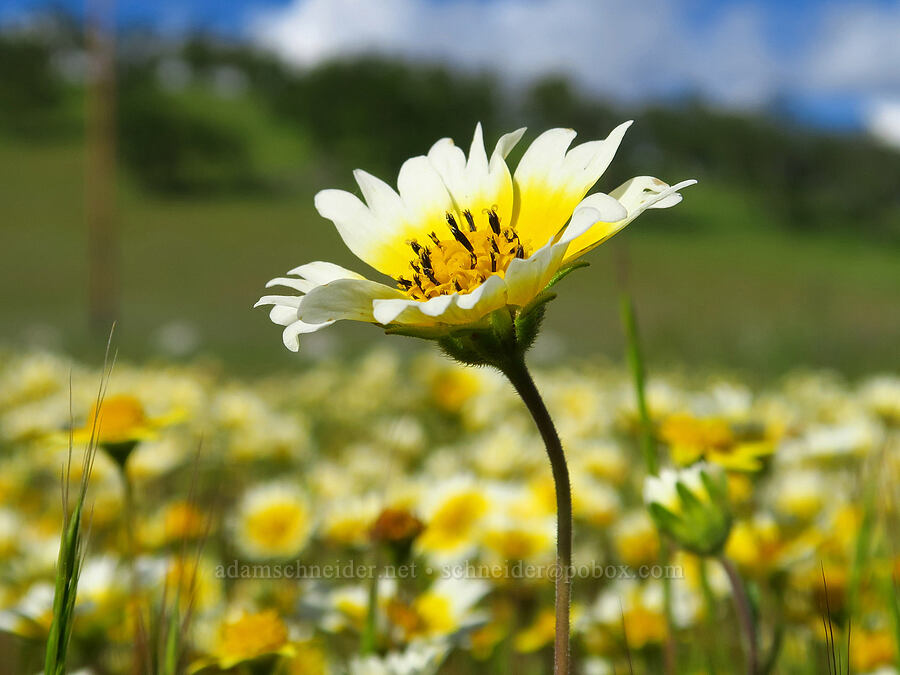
(833, 62)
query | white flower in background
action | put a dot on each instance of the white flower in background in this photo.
(848, 439)
(421, 658)
(448, 607)
(463, 237)
(335, 609)
(882, 395)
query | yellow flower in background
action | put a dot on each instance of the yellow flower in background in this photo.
(310, 658)
(691, 439)
(539, 634)
(447, 607)
(121, 419)
(348, 521)
(452, 517)
(635, 608)
(636, 539)
(872, 649)
(452, 386)
(519, 539)
(274, 520)
(246, 637)
(463, 237)
(177, 522)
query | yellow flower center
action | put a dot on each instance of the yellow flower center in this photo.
(277, 527)
(182, 521)
(463, 262)
(452, 524)
(120, 418)
(252, 635)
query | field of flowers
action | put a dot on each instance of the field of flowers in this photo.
(396, 515)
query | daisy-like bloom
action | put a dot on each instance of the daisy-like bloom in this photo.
(691, 439)
(462, 237)
(273, 521)
(446, 608)
(246, 637)
(453, 515)
(119, 423)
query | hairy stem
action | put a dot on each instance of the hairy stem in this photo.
(521, 379)
(744, 614)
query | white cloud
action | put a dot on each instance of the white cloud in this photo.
(857, 50)
(622, 48)
(883, 121)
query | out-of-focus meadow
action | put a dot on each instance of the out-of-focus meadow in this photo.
(227, 467)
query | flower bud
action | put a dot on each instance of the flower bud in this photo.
(691, 506)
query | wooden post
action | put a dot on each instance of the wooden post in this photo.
(100, 167)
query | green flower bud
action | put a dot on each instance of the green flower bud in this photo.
(691, 506)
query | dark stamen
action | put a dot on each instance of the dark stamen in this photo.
(416, 246)
(405, 283)
(494, 221)
(493, 262)
(457, 286)
(425, 257)
(494, 245)
(430, 274)
(434, 238)
(469, 219)
(458, 235)
(520, 252)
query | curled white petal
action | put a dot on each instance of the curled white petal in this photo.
(344, 299)
(291, 335)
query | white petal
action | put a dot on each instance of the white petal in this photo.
(550, 182)
(283, 315)
(478, 159)
(437, 305)
(371, 240)
(527, 277)
(595, 208)
(491, 292)
(387, 311)
(302, 285)
(585, 163)
(507, 142)
(288, 300)
(544, 155)
(320, 272)
(290, 335)
(647, 192)
(636, 195)
(424, 194)
(384, 203)
(450, 162)
(453, 309)
(344, 299)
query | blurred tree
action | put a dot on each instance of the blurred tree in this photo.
(173, 147)
(375, 113)
(31, 92)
